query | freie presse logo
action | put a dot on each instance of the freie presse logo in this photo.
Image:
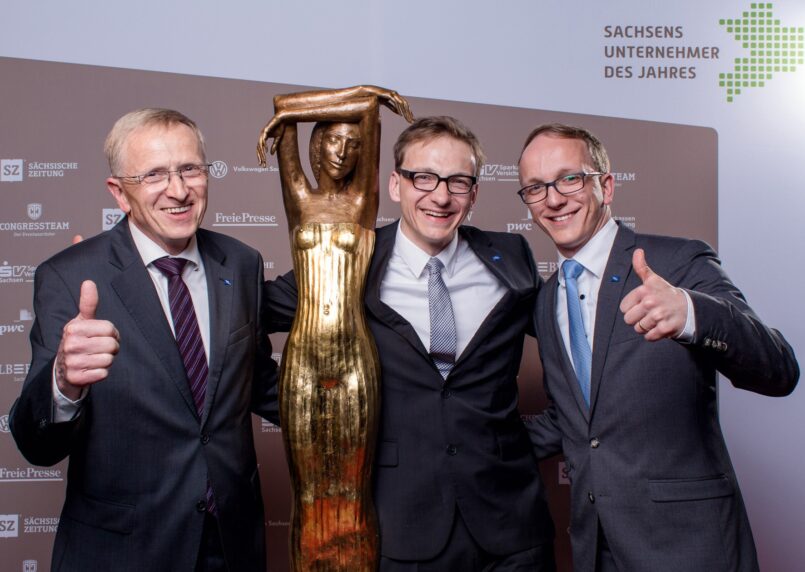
(30, 474)
(244, 219)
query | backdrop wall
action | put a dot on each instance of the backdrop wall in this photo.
(731, 180)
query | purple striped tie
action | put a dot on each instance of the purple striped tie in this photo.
(185, 326)
(188, 336)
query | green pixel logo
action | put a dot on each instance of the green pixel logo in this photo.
(772, 49)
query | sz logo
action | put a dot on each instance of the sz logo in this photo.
(34, 211)
(11, 170)
(219, 169)
(110, 217)
(9, 525)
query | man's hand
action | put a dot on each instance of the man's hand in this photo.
(656, 309)
(88, 346)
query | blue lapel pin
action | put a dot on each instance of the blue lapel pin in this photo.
(497, 258)
(615, 278)
(227, 282)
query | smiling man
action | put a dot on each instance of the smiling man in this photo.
(455, 480)
(147, 362)
(630, 354)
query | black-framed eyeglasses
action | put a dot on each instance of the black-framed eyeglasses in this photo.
(564, 185)
(187, 173)
(424, 181)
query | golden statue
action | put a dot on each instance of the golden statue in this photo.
(329, 393)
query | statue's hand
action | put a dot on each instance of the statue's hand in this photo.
(275, 129)
(394, 101)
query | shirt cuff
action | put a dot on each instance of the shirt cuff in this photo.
(688, 333)
(64, 408)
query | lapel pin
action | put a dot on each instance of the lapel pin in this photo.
(615, 278)
(497, 258)
(227, 282)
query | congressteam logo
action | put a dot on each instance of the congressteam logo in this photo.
(11, 170)
(30, 565)
(773, 49)
(34, 227)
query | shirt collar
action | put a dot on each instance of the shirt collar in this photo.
(415, 258)
(594, 255)
(150, 250)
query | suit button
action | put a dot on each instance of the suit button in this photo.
(205, 438)
(201, 506)
(452, 450)
(43, 423)
(594, 443)
(446, 393)
(591, 497)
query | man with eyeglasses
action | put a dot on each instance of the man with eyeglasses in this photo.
(632, 331)
(456, 484)
(147, 364)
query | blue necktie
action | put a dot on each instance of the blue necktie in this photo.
(442, 321)
(579, 346)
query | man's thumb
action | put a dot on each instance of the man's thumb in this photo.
(88, 301)
(640, 265)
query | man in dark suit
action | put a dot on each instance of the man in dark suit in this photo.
(456, 481)
(630, 355)
(147, 381)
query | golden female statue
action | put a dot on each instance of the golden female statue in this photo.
(329, 394)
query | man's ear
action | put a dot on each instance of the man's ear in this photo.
(115, 187)
(394, 186)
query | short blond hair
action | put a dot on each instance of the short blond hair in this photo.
(126, 125)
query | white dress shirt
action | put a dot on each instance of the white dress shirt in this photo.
(474, 290)
(194, 277)
(594, 257)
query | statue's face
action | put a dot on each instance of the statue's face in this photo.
(340, 147)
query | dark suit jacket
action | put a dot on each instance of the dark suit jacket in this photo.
(139, 455)
(455, 444)
(648, 461)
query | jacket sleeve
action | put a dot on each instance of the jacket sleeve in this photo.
(750, 354)
(39, 439)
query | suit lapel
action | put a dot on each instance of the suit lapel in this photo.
(135, 289)
(552, 288)
(384, 244)
(610, 295)
(220, 292)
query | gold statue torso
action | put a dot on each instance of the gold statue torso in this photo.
(329, 399)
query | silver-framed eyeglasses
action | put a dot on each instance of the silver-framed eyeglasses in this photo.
(191, 173)
(564, 185)
(424, 181)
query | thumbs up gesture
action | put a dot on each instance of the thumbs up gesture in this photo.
(656, 309)
(88, 346)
